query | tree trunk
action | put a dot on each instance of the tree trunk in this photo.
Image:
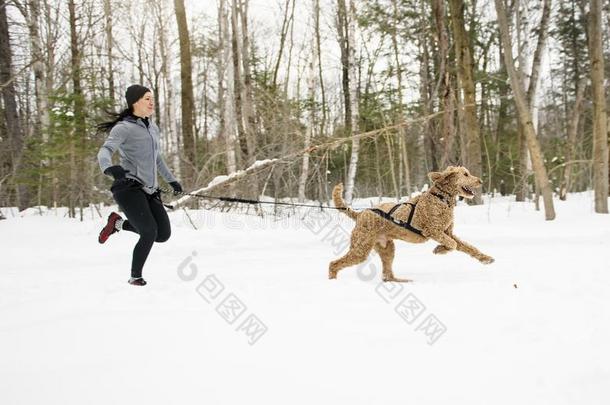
(543, 29)
(465, 73)
(78, 168)
(11, 115)
(524, 114)
(290, 47)
(446, 88)
(225, 87)
(503, 88)
(347, 40)
(237, 79)
(109, 46)
(319, 57)
(52, 27)
(247, 96)
(41, 118)
(283, 35)
(531, 96)
(172, 144)
(522, 172)
(311, 95)
(425, 143)
(42, 99)
(186, 95)
(523, 166)
(600, 132)
(243, 87)
(566, 184)
(402, 137)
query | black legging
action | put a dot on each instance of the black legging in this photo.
(146, 216)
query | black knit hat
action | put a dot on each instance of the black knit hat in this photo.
(134, 93)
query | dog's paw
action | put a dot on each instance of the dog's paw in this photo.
(332, 275)
(392, 279)
(440, 250)
(486, 259)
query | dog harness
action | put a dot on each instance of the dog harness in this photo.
(403, 224)
(406, 224)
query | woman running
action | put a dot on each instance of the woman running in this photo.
(135, 186)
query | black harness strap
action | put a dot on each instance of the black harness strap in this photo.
(446, 198)
(440, 197)
(394, 208)
(403, 224)
(407, 224)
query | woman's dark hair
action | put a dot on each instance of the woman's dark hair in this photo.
(132, 95)
(105, 127)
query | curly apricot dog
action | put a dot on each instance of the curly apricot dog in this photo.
(432, 219)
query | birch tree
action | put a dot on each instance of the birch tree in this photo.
(311, 95)
(347, 41)
(225, 87)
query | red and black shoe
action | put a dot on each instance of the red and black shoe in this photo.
(137, 281)
(110, 227)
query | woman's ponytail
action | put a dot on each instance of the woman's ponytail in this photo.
(105, 127)
(132, 95)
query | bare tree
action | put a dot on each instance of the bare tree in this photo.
(318, 44)
(572, 132)
(11, 114)
(402, 138)
(600, 132)
(469, 126)
(283, 34)
(225, 87)
(346, 26)
(425, 143)
(445, 85)
(311, 95)
(247, 97)
(31, 14)
(187, 99)
(522, 26)
(78, 141)
(524, 114)
(170, 132)
(532, 91)
(109, 46)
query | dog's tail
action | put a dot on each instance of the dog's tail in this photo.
(340, 202)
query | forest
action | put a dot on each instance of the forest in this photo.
(372, 93)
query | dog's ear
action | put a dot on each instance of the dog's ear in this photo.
(435, 176)
(450, 176)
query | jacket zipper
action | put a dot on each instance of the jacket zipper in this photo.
(154, 163)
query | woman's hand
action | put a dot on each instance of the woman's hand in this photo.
(117, 172)
(176, 186)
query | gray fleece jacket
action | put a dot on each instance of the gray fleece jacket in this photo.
(138, 148)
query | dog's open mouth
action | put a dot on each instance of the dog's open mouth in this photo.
(468, 191)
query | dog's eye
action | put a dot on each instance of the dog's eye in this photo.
(466, 174)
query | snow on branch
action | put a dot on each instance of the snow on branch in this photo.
(225, 180)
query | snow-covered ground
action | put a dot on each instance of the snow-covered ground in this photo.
(241, 311)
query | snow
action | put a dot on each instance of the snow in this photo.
(532, 328)
(217, 180)
(222, 178)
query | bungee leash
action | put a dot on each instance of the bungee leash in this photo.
(243, 200)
